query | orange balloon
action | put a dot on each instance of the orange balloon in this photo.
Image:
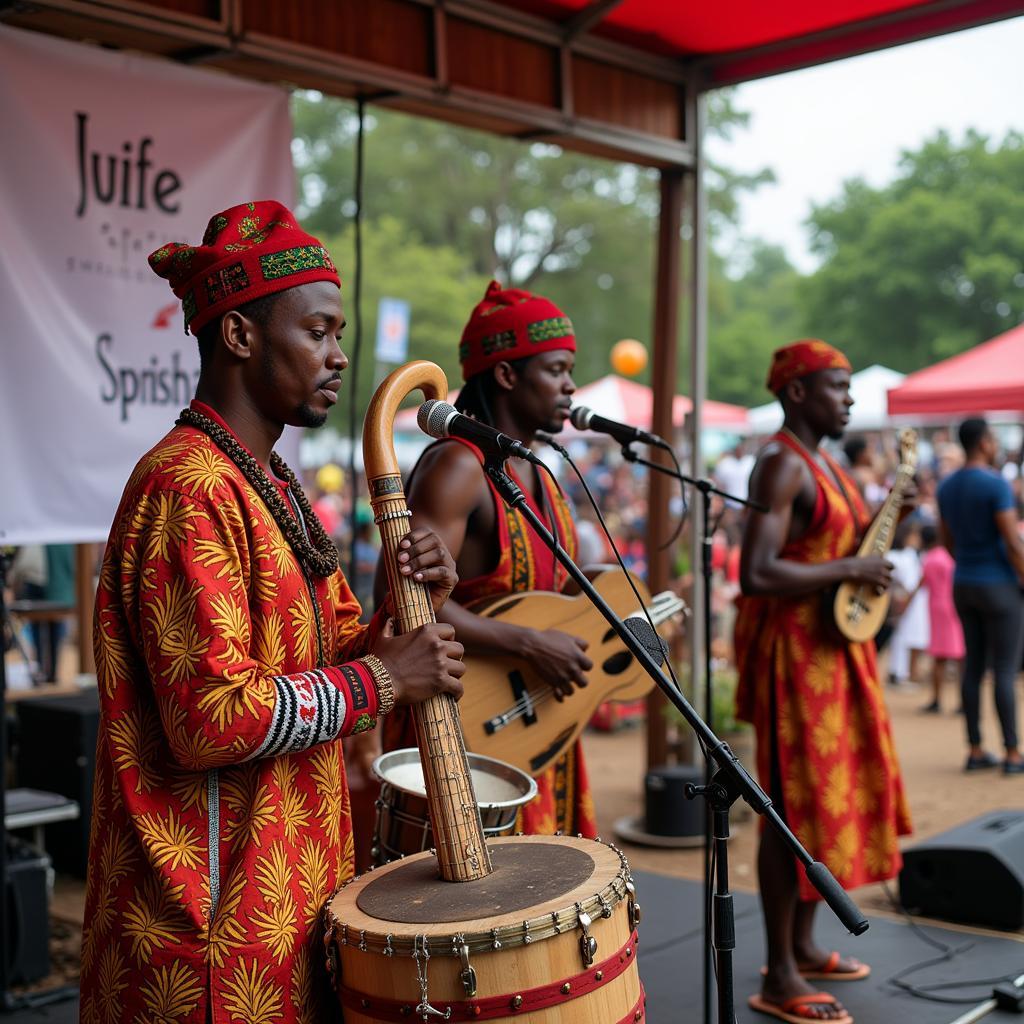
(629, 357)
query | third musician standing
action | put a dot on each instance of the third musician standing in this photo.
(824, 745)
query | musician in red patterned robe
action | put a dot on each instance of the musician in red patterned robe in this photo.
(230, 658)
(517, 354)
(824, 745)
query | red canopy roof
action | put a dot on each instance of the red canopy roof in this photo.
(749, 38)
(986, 378)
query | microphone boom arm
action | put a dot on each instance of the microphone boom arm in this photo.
(731, 775)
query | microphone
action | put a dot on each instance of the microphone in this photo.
(583, 418)
(638, 625)
(441, 419)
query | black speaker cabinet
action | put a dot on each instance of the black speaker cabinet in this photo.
(667, 811)
(28, 921)
(973, 873)
(57, 754)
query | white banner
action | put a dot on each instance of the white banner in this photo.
(105, 157)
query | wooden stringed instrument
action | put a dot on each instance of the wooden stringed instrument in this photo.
(859, 610)
(508, 711)
(537, 929)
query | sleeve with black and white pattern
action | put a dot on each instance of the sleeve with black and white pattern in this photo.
(318, 706)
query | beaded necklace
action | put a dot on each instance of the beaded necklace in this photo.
(315, 551)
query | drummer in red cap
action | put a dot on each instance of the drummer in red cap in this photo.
(517, 353)
(230, 660)
(825, 752)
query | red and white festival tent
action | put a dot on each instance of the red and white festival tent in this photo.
(986, 378)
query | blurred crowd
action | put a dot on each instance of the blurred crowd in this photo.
(922, 635)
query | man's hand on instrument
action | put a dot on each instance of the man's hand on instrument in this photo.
(423, 556)
(423, 663)
(872, 570)
(558, 658)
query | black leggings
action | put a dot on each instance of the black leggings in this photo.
(991, 617)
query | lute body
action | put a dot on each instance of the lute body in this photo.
(508, 711)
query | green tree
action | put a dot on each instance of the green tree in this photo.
(578, 228)
(928, 265)
(436, 281)
(748, 318)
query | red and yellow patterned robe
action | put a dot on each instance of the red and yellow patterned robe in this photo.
(824, 746)
(221, 814)
(563, 802)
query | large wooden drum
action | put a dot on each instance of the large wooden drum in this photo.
(549, 937)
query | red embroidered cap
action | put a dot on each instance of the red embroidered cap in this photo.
(247, 252)
(801, 358)
(508, 324)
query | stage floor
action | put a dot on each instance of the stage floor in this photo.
(671, 962)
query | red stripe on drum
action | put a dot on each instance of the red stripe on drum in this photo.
(637, 1015)
(399, 1011)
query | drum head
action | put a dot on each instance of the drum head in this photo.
(524, 875)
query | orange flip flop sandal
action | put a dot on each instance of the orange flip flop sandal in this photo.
(829, 970)
(797, 1010)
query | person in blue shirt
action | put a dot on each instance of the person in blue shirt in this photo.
(979, 527)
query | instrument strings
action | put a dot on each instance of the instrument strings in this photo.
(662, 607)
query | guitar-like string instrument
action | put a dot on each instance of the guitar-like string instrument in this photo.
(859, 610)
(540, 929)
(508, 712)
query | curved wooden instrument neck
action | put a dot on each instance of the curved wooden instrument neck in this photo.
(882, 531)
(454, 813)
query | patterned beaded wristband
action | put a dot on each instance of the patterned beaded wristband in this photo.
(382, 681)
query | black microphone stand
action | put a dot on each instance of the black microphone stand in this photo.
(729, 782)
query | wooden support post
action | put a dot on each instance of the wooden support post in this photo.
(660, 487)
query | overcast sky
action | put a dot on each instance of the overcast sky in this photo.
(852, 118)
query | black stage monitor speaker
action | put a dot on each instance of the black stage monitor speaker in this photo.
(28, 922)
(57, 754)
(973, 873)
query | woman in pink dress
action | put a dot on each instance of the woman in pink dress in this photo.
(947, 635)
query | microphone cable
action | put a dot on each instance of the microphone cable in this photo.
(549, 440)
(357, 347)
(709, 922)
(682, 497)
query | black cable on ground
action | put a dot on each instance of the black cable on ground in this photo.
(947, 953)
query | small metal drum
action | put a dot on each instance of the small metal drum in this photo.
(402, 824)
